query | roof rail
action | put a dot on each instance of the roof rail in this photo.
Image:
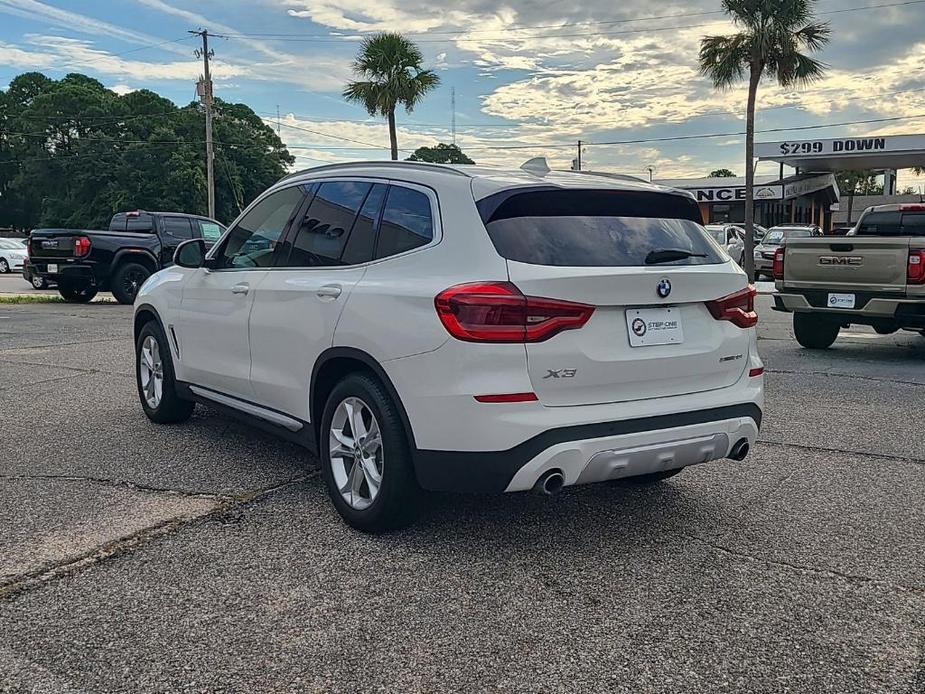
(370, 164)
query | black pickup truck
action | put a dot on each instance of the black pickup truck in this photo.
(119, 260)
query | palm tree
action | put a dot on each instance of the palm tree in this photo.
(390, 72)
(773, 35)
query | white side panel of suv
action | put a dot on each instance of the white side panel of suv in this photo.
(462, 328)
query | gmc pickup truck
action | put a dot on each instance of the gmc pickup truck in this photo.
(136, 245)
(874, 276)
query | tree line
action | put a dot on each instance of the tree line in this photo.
(73, 152)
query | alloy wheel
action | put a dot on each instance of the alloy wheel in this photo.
(4, 266)
(355, 445)
(132, 281)
(151, 371)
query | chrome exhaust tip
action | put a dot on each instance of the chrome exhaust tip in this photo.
(740, 451)
(550, 483)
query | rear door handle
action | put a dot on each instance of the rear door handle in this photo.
(329, 291)
(242, 288)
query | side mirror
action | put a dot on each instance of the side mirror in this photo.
(190, 254)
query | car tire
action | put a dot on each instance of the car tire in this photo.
(4, 266)
(650, 479)
(127, 280)
(154, 372)
(38, 282)
(77, 293)
(813, 332)
(367, 504)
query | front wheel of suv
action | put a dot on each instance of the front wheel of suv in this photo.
(366, 457)
(76, 293)
(156, 380)
(813, 332)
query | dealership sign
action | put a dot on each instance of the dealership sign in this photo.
(736, 193)
(805, 149)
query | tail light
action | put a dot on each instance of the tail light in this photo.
(916, 272)
(499, 312)
(81, 246)
(738, 308)
(779, 263)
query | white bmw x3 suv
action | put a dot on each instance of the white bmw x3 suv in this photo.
(461, 329)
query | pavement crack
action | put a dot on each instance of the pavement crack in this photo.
(799, 568)
(824, 449)
(835, 374)
(125, 484)
(22, 583)
(44, 380)
(78, 370)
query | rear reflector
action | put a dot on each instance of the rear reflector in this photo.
(916, 272)
(508, 397)
(499, 312)
(755, 373)
(738, 308)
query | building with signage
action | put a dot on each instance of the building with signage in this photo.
(800, 199)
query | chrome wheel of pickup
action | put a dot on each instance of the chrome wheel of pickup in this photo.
(355, 446)
(151, 371)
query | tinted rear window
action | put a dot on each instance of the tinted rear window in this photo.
(892, 224)
(596, 228)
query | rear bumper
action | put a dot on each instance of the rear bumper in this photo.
(68, 272)
(595, 452)
(872, 308)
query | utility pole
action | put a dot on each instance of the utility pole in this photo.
(277, 119)
(579, 156)
(205, 94)
(453, 109)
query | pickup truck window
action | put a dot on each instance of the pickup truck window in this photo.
(141, 224)
(210, 231)
(881, 224)
(178, 227)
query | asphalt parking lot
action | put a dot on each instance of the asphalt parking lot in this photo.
(205, 557)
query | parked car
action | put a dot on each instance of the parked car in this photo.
(875, 277)
(36, 280)
(730, 237)
(12, 255)
(456, 328)
(764, 252)
(119, 260)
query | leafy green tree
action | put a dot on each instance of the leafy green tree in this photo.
(390, 75)
(722, 173)
(774, 35)
(441, 154)
(73, 152)
(857, 182)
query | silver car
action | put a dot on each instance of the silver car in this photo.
(12, 255)
(730, 237)
(764, 251)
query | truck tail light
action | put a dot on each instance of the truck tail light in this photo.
(916, 269)
(81, 246)
(499, 312)
(738, 308)
(778, 270)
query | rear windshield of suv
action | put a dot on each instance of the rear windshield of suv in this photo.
(892, 224)
(596, 228)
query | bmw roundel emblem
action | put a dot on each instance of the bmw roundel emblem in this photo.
(664, 288)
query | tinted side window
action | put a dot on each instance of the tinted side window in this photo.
(252, 242)
(178, 227)
(407, 222)
(914, 224)
(325, 228)
(881, 224)
(359, 248)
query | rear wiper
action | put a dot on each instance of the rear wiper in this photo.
(670, 255)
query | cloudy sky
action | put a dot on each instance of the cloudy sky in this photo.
(532, 77)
